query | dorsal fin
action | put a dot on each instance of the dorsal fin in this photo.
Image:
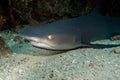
(97, 8)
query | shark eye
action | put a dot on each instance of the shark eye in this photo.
(50, 37)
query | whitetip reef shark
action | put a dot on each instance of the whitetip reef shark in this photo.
(73, 33)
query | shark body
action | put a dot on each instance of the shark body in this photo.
(72, 33)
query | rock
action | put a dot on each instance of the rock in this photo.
(4, 49)
(116, 37)
(116, 51)
(62, 7)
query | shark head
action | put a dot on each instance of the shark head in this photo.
(56, 36)
(54, 41)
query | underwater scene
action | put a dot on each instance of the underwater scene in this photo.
(59, 40)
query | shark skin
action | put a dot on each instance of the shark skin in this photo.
(72, 33)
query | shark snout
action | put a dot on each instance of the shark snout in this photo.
(31, 38)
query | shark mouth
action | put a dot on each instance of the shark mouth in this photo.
(41, 44)
(36, 42)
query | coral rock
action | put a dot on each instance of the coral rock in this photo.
(4, 49)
